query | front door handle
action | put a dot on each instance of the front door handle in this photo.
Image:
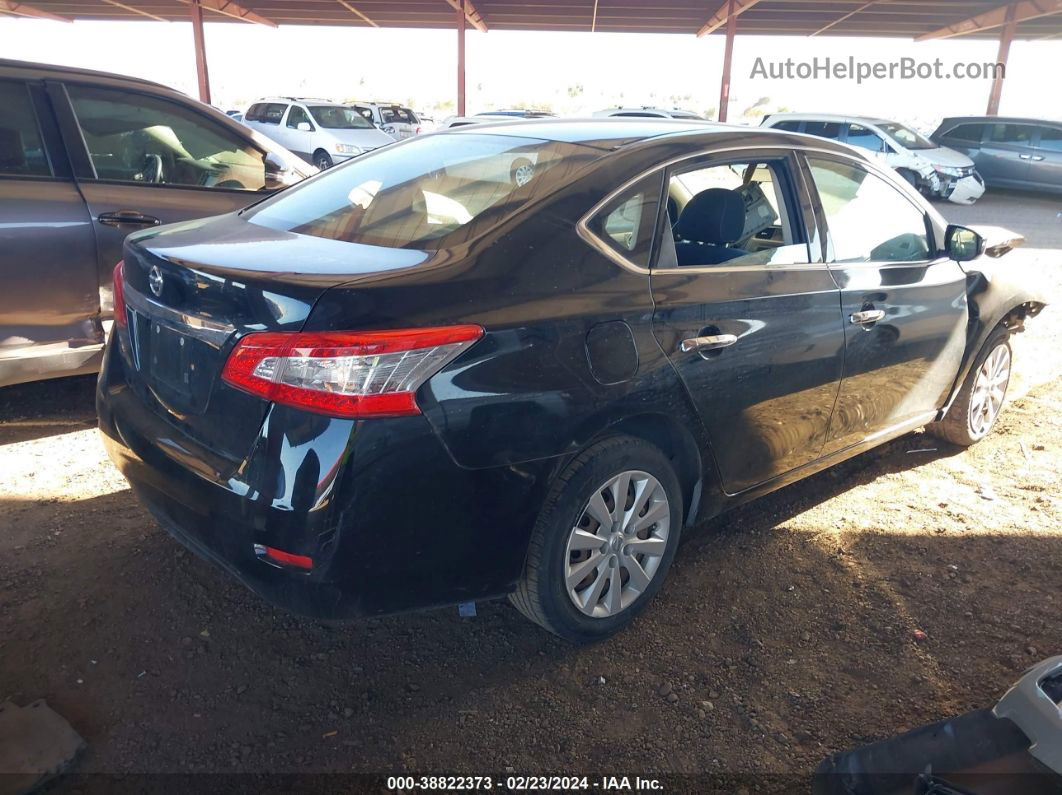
(127, 218)
(711, 343)
(866, 317)
(1036, 157)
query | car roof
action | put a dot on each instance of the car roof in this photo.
(300, 100)
(32, 66)
(610, 133)
(1002, 120)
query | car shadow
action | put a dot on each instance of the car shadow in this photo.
(41, 409)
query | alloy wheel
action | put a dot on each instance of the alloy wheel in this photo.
(989, 389)
(618, 543)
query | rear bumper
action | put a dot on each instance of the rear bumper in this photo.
(390, 521)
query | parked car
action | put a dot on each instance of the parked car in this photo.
(1008, 152)
(85, 158)
(480, 118)
(323, 132)
(519, 113)
(396, 120)
(935, 170)
(419, 380)
(649, 112)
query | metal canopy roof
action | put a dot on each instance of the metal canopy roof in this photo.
(919, 19)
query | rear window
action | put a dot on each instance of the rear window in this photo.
(431, 193)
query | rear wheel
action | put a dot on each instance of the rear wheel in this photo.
(980, 398)
(603, 542)
(322, 159)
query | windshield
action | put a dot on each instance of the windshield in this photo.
(431, 193)
(905, 136)
(335, 117)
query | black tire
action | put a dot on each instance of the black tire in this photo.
(542, 594)
(322, 159)
(957, 426)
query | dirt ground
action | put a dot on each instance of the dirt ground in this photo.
(788, 629)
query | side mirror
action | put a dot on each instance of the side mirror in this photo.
(304, 126)
(278, 174)
(963, 244)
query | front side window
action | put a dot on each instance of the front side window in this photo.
(21, 150)
(735, 213)
(905, 136)
(337, 117)
(627, 224)
(1051, 139)
(1014, 134)
(298, 116)
(869, 220)
(431, 193)
(860, 136)
(146, 140)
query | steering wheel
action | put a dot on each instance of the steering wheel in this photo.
(152, 170)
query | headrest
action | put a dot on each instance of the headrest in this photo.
(716, 215)
(12, 155)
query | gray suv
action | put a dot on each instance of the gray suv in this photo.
(85, 159)
(1008, 152)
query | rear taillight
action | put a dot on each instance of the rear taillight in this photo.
(120, 318)
(345, 374)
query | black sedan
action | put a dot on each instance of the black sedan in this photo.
(520, 359)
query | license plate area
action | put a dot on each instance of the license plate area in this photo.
(176, 365)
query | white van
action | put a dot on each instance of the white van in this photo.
(935, 170)
(317, 130)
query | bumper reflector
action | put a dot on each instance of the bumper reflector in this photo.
(279, 557)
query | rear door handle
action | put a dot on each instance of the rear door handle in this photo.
(712, 343)
(1036, 157)
(866, 317)
(1026, 157)
(127, 218)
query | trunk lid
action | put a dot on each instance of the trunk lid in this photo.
(193, 289)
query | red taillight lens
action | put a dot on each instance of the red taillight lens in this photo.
(345, 374)
(282, 558)
(120, 318)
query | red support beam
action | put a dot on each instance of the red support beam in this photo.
(200, 52)
(460, 57)
(1006, 36)
(23, 10)
(728, 55)
(1018, 11)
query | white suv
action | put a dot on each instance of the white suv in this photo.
(934, 170)
(320, 131)
(397, 121)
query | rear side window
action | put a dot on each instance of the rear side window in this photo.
(1051, 139)
(627, 224)
(788, 126)
(21, 150)
(431, 193)
(823, 129)
(147, 140)
(271, 112)
(1015, 134)
(253, 112)
(869, 220)
(970, 133)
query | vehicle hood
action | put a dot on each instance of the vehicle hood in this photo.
(943, 156)
(366, 139)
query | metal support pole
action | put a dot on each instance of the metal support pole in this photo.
(461, 58)
(728, 54)
(1005, 38)
(200, 51)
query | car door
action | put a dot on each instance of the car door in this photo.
(298, 141)
(903, 303)
(1045, 163)
(757, 337)
(1006, 152)
(49, 305)
(142, 160)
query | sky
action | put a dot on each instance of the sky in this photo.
(569, 73)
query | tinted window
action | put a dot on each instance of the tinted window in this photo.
(1019, 134)
(869, 220)
(397, 116)
(790, 126)
(21, 150)
(146, 140)
(823, 129)
(253, 112)
(860, 136)
(1051, 138)
(431, 193)
(337, 117)
(966, 132)
(627, 224)
(271, 112)
(640, 114)
(298, 116)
